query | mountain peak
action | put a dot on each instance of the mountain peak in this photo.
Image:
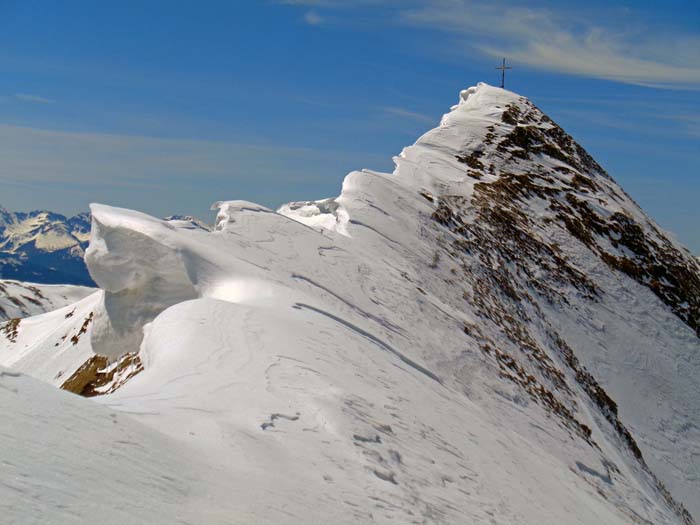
(486, 94)
(492, 332)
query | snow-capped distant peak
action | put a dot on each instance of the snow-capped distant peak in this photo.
(42, 246)
(188, 222)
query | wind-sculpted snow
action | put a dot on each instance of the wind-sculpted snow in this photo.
(325, 214)
(451, 343)
(135, 260)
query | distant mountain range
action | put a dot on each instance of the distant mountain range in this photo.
(48, 248)
(44, 247)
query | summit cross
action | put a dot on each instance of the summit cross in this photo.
(503, 68)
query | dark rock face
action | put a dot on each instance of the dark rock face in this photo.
(578, 196)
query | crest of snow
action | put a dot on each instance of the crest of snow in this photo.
(326, 214)
(317, 357)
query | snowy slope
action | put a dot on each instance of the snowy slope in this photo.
(51, 346)
(26, 299)
(495, 333)
(68, 460)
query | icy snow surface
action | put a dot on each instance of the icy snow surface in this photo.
(328, 363)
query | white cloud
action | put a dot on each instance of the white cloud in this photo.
(612, 43)
(411, 115)
(313, 18)
(614, 48)
(28, 97)
(687, 124)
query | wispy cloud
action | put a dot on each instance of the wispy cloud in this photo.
(613, 43)
(617, 48)
(313, 18)
(35, 99)
(410, 115)
(688, 123)
(45, 154)
(161, 175)
(339, 3)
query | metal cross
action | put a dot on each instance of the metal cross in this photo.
(503, 68)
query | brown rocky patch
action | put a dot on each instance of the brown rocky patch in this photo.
(97, 377)
(10, 330)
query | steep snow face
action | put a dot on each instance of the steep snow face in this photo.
(19, 300)
(466, 340)
(45, 247)
(141, 272)
(51, 346)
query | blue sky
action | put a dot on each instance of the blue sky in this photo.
(169, 106)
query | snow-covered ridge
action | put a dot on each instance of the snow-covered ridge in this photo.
(187, 221)
(19, 300)
(477, 337)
